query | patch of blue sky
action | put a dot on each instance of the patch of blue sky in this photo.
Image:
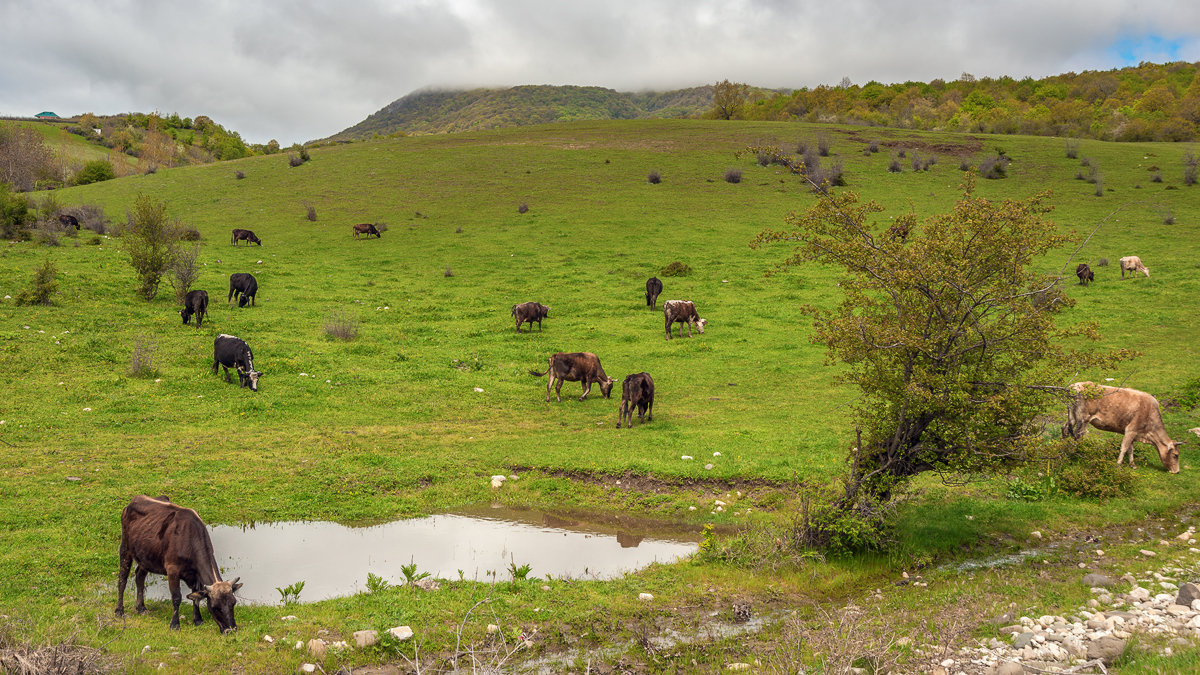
(1132, 50)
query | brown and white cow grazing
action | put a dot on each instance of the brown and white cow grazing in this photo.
(682, 311)
(576, 367)
(528, 312)
(168, 539)
(1133, 264)
(195, 302)
(1123, 411)
(1085, 274)
(653, 290)
(367, 229)
(244, 235)
(637, 391)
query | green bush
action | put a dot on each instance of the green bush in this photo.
(15, 216)
(676, 269)
(94, 172)
(1090, 471)
(43, 287)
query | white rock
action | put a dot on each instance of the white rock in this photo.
(479, 390)
(645, 597)
(308, 668)
(1036, 534)
(686, 457)
(492, 628)
(692, 508)
(317, 648)
(268, 639)
(716, 454)
(1148, 554)
(366, 638)
(719, 503)
(289, 617)
(401, 633)
(708, 467)
(145, 649)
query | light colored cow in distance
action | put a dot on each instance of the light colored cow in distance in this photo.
(1133, 264)
(1124, 411)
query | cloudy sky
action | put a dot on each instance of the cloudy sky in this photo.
(297, 70)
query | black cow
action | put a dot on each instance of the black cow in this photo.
(244, 235)
(576, 367)
(233, 352)
(367, 229)
(1085, 274)
(682, 311)
(195, 302)
(243, 286)
(637, 391)
(653, 290)
(528, 312)
(167, 539)
(68, 220)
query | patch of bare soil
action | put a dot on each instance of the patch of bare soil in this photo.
(968, 146)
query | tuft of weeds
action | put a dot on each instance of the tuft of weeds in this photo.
(312, 213)
(1072, 148)
(655, 177)
(676, 269)
(523, 208)
(141, 359)
(239, 175)
(341, 325)
(733, 175)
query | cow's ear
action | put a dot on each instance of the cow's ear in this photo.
(199, 595)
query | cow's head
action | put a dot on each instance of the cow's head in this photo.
(545, 310)
(606, 386)
(221, 600)
(1170, 456)
(256, 240)
(700, 324)
(186, 313)
(249, 378)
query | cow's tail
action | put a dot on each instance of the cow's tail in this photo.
(537, 374)
(514, 310)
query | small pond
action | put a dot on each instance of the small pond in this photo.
(333, 560)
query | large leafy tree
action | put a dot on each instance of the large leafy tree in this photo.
(947, 328)
(728, 99)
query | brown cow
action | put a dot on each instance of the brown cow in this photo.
(637, 391)
(68, 221)
(168, 539)
(528, 312)
(367, 229)
(1085, 274)
(244, 235)
(1123, 411)
(576, 367)
(682, 311)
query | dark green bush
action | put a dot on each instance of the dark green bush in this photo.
(676, 269)
(1090, 471)
(15, 216)
(93, 172)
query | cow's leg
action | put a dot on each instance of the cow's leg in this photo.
(197, 619)
(518, 325)
(621, 414)
(668, 329)
(549, 381)
(650, 410)
(587, 388)
(123, 576)
(227, 378)
(558, 389)
(176, 598)
(1126, 446)
(689, 329)
(139, 584)
(216, 365)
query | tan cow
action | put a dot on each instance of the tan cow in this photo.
(575, 367)
(1133, 265)
(1123, 411)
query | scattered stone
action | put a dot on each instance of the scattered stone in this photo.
(686, 457)
(401, 633)
(1108, 649)
(1022, 640)
(1138, 594)
(645, 597)
(1098, 581)
(492, 628)
(317, 648)
(268, 639)
(1148, 554)
(289, 617)
(1010, 668)
(1189, 593)
(307, 668)
(737, 666)
(1036, 534)
(145, 649)
(497, 481)
(366, 638)
(708, 467)
(1191, 531)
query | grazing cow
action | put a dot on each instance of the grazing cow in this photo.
(1133, 264)
(168, 539)
(576, 367)
(68, 220)
(244, 235)
(1121, 410)
(528, 312)
(682, 311)
(243, 286)
(233, 352)
(1085, 274)
(898, 231)
(195, 302)
(637, 391)
(653, 290)
(367, 229)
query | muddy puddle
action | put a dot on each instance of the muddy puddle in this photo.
(333, 560)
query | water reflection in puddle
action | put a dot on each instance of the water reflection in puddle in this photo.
(333, 560)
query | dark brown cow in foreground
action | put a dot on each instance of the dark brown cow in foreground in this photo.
(682, 311)
(637, 391)
(1123, 411)
(528, 312)
(576, 367)
(653, 290)
(68, 220)
(168, 539)
(244, 235)
(1085, 274)
(195, 302)
(367, 229)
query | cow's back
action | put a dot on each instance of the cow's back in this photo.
(157, 532)
(1118, 407)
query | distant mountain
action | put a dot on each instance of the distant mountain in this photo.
(440, 111)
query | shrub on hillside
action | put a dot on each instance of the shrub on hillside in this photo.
(149, 239)
(141, 359)
(91, 216)
(522, 208)
(676, 269)
(1103, 262)
(1072, 148)
(46, 232)
(15, 216)
(239, 175)
(1090, 471)
(185, 269)
(823, 144)
(42, 287)
(994, 167)
(894, 165)
(873, 147)
(311, 213)
(733, 175)
(654, 177)
(1191, 168)
(94, 171)
(294, 160)
(964, 164)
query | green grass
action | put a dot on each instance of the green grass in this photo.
(389, 425)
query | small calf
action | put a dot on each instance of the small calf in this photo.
(637, 391)
(196, 302)
(653, 290)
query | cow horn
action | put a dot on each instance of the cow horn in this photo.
(208, 588)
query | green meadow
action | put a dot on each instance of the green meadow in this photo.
(434, 395)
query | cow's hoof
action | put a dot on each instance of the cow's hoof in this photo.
(175, 626)
(119, 612)
(197, 622)
(141, 610)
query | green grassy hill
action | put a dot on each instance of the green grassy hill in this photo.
(393, 423)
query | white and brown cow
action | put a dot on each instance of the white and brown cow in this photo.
(1133, 265)
(682, 311)
(575, 367)
(1124, 411)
